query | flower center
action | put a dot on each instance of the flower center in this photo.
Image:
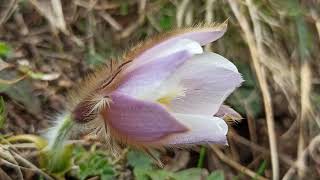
(170, 95)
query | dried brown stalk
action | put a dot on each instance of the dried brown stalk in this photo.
(261, 75)
(236, 165)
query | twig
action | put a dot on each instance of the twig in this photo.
(9, 158)
(209, 17)
(261, 76)
(181, 9)
(106, 16)
(29, 164)
(305, 89)
(316, 18)
(251, 125)
(4, 175)
(236, 165)
(189, 15)
(142, 17)
(255, 147)
(9, 10)
(302, 161)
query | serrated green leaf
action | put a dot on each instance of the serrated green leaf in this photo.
(216, 175)
(93, 164)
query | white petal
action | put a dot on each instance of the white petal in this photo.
(218, 60)
(207, 79)
(203, 130)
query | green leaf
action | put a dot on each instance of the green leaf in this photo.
(201, 157)
(216, 175)
(261, 168)
(138, 159)
(160, 175)
(57, 161)
(141, 173)
(95, 164)
(192, 173)
(167, 17)
(5, 49)
(304, 38)
(20, 91)
(3, 113)
(166, 22)
(292, 7)
(124, 8)
(94, 59)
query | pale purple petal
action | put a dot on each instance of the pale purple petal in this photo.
(145, 79)
(204, 35)
(229, 113)
(163, 50)
(200, 35)
(140, 121)
(206, 85)
(203, 130)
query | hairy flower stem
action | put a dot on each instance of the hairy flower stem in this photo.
(63, 132)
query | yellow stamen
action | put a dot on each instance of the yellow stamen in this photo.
(171, 95)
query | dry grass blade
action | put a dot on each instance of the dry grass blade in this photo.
(5, 15)
(52, 11)
(261, 76)
(106, 16)
(236, 165)
(30, 165)
(313, 147)
(209, 17)
(305, 89)
(4, 175)
(132, 27)
(181, 10)
(316, 18)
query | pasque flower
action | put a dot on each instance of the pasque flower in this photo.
(166, 92)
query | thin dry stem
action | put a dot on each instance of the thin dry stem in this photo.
(209, 17)
(181, 10)
(236, 165)
(261, 76)
(303, 159)
(305, 88)
(114, 24)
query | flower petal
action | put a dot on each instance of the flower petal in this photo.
(203, 35)
(203, 130)
(139, 121)
(220, 61)
(145, 79)
(164, 50)
(228, 114)
(206, 83)
(172, 41)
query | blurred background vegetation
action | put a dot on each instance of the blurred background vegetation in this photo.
(48, 46)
